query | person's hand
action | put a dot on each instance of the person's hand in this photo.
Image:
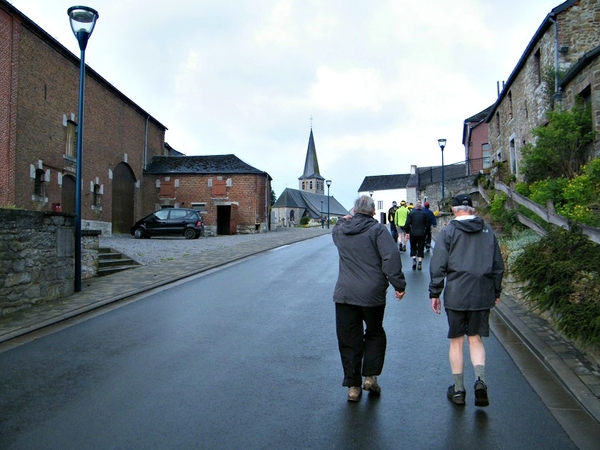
(497, 301)
(347, 216)
(399, 295)
(436, 305)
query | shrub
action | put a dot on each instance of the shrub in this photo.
(560, 275)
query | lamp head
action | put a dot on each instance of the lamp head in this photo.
(83, 20)
(328, 183)
(442, 143)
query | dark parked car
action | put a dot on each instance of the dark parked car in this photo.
(171, 221)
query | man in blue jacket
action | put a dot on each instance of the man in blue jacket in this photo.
(467, 260)
(369, 262)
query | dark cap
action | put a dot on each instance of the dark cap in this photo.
(462, 200)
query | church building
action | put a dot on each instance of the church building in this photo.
(310, 200)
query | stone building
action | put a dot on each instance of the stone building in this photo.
(567, 40)
(310, 199)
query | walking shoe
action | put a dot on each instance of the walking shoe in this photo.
(457, 397)
(414, 267)
(372, 385)
(354, 393)
(481, 397)
(419, 266)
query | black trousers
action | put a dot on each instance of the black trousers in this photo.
(417, 246)
(362, 350)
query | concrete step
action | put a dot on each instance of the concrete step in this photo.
(111, 261)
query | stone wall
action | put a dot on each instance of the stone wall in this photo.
(37, 257)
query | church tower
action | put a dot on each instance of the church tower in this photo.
(311, 180)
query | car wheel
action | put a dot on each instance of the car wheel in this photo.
(189, 233)
(138, 233)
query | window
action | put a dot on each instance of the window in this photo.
(71, 139)
(97, 195)
(201, 207)
(537, 61)
(513, 157)
(510, 105)
(485, 153)
(310, 184)
(379, 204)
(498, 122)
(303, 185)
(167, 189)
(40, 183)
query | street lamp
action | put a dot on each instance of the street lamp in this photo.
(328, 183)
(371, 194)
(322, 221)
(442, 144)
(83, 19)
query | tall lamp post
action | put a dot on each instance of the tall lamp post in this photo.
(83, 19)
(322, 220)
(328, 183)
(442, 144)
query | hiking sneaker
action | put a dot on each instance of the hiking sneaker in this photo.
(354, 393)
(481, 397)
(457, 397)
(419, 266)
(371, 385)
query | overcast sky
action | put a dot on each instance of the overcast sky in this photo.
(382, 80)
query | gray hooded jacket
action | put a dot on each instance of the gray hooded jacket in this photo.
(369, 262)
(467, 257)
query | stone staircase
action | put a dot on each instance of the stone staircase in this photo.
(111, 261)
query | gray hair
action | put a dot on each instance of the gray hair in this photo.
(364, 205)
(466, 208)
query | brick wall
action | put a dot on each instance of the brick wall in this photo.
(46, 84)
(246, 190)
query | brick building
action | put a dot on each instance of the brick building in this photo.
(568, 40)
(38, 113)
(39, 81)
(232, 196)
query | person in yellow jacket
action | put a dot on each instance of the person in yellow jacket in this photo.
(400, 220)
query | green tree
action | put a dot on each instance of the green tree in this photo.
(563, 146)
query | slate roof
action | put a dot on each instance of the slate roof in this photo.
(294, 198)
(311, 164)
(384, 182)
(201, 165)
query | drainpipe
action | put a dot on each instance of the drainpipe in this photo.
(555, 57)
(146, 143)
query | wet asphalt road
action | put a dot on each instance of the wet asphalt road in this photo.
(246, 357)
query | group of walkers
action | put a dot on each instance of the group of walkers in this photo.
(412, 224)
(466, 266)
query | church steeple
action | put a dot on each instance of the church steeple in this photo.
(311, 180)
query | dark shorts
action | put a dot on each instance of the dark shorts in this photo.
(471, 323)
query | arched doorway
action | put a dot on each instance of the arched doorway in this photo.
(123, 195)
(67, 197)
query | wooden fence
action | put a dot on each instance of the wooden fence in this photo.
(548, 215)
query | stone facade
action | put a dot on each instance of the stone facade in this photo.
(525, 98)
(36, 258)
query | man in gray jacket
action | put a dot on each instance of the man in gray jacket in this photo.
(467, 258)
(368, 262)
